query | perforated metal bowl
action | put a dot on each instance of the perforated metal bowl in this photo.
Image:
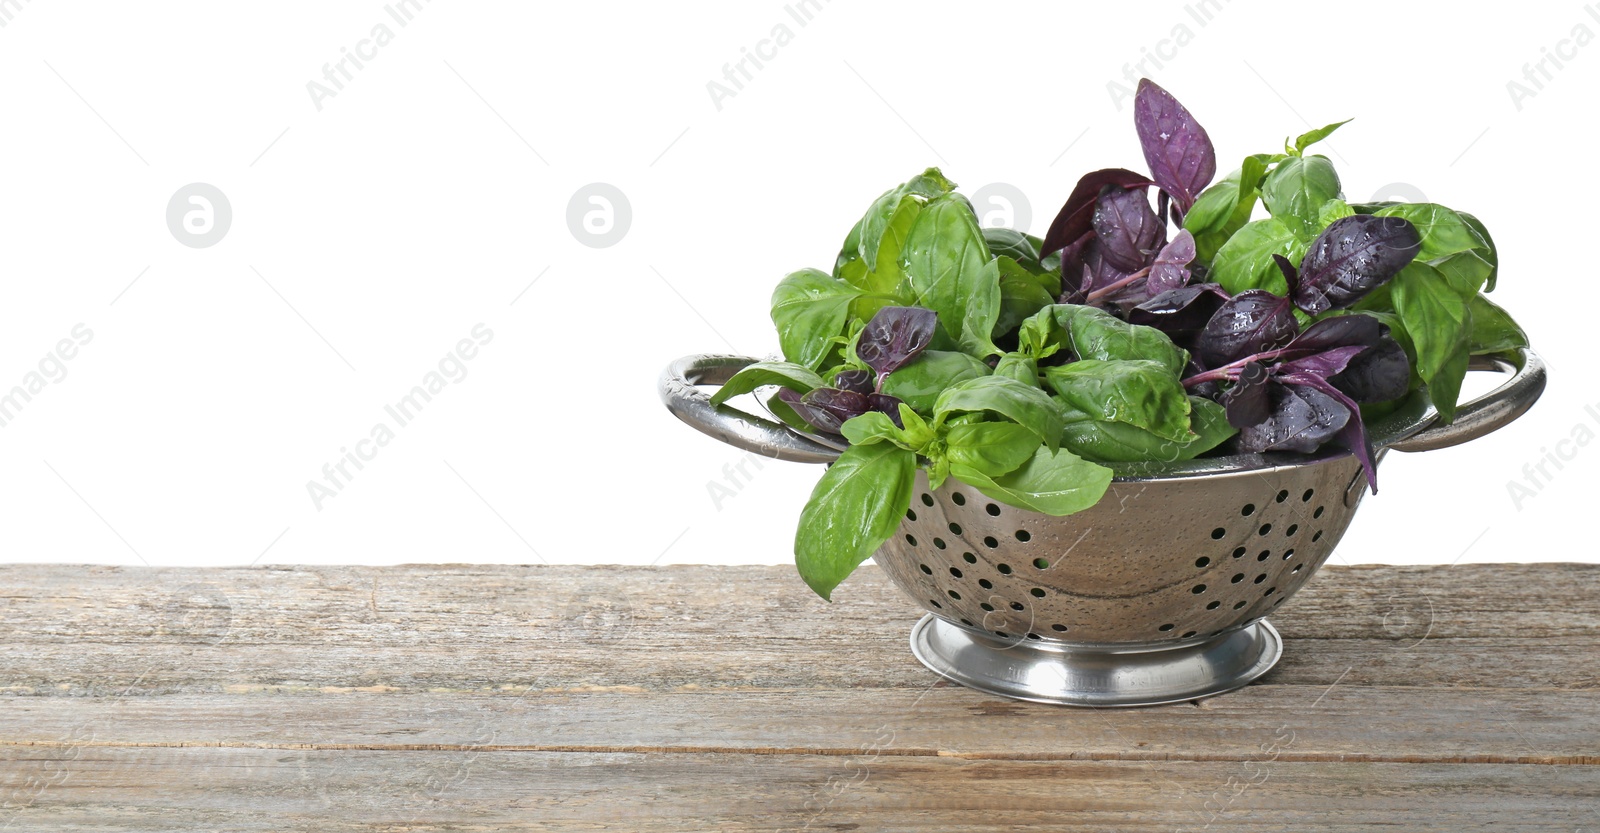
(1156, 594)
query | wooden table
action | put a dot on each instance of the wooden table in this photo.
(489, 698)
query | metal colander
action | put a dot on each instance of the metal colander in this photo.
(1156, 594)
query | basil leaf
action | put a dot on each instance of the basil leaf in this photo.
(1022, 368)
(1493, 331)
(1127, 230)
(1020, 295)
(1116, 442)
(1350, 258)
(1075, 220)
(1015, 245)
(850, 253)
(786, 414)
(810, 308)
(1311, 137)
(1245, 261)
(1466, 272)
(1053, 482)
(1143, 394)
(919, 383)
(1443, 231)
(876, 426)
(795, 377)
(1251, 322)
(1176, 147)
(928, 185)
(894, 337)
(1093, 333)
(1438, 321)
(1296, 190)
(1209, 421)
(992, 448)
(1021, 403)
(856, 506)
(951, 273)
(1334, 209)
(1489, 253)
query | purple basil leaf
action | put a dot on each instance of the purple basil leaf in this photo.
(887, 405)
(1073, 258)
(1327, 363)
(1129, 232)
(1253, 321)
(1340, 331)
(1291, 276)
(859, 381)
(1378, 374)
(1077, 216)
(1171, 267)
(1352, 257)
(894, 337)
(1301, 418)
(1248, 402)
(1180, 313)
(828, 408)
(1353, 433)
(1176, 148)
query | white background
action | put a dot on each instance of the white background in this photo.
(371, 235)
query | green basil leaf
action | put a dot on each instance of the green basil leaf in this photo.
(1438, 322)
(1465, 272)
(1245, 261)
(873, 427)
(1296, 189)
(1443, 231)
(1116, 442)
(856, 506)
(850, 253)
(795, 377)
(1093, 333)
(1493, 330)
(1334, 209)
(919, 383)
(1021, 403)
(1209, 422)
(1489, 253)
(1053, 482)
(810, 308)
(1214, 207)
(1022, 368)
(1143, 394)
(1005, 242)
(1020, 295)
(993, 448)
(1311, 137)
(929, 184)
(951, 273)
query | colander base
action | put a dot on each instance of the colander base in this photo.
(1100, 678)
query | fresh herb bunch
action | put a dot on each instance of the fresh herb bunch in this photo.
(1132, 332)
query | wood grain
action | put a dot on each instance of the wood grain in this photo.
(695, 698)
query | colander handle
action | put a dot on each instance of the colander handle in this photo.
(1490, 411)
(731, 425)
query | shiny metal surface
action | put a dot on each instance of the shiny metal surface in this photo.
(1156, 594)
(1490, 411)
(1087, 677)
(1411, 427)
(735, 427)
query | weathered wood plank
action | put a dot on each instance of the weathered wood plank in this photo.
(1353, 723)
(472, 790)
(680, 698)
